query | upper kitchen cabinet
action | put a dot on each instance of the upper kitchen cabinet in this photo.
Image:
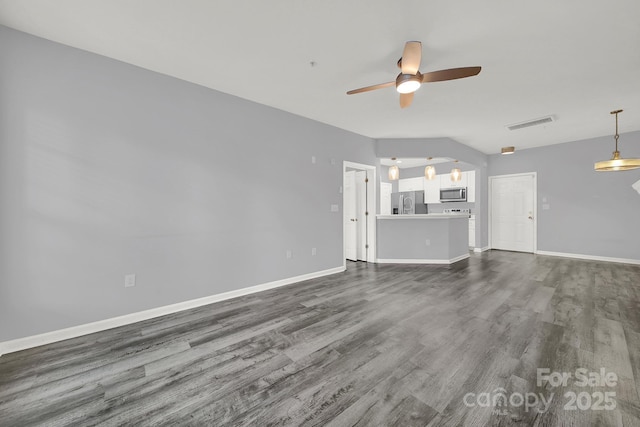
(445, 181)
(471, 186)
(411, 184)
(432, 190)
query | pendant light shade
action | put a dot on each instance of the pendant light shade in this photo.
(430, 172)
(617, 163)
(394, 172)
(456, 174)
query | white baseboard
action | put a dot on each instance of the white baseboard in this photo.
(102, 325)
(422, 261)
(590, 257)
(478, 250)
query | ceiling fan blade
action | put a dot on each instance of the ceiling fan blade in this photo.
(411, 57)
(406, 99)
(368, 88)
(450, 74)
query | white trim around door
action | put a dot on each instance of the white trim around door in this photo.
(371, 208)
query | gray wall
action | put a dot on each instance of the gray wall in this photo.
(108, 169)
(590, 213)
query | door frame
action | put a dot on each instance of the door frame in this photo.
(371, 208)
(535, 205)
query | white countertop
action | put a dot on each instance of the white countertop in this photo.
(425, 216)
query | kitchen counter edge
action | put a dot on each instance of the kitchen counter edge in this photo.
(424, 216)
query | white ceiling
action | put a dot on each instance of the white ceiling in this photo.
(573, 59)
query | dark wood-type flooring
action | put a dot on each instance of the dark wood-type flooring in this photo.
(377, 345)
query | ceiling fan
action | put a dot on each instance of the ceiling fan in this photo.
(410, 78)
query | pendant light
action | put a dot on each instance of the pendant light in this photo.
(617, 163)
(394, 172)
(456, 175)
(430, 171)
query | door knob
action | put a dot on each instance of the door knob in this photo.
(530, 217)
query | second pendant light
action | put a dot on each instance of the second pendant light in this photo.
(429, 171)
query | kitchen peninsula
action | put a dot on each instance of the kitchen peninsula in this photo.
(423, 239)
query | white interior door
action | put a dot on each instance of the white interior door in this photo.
(512, 212)
(350, 229)
(361, 218)
(385, 198)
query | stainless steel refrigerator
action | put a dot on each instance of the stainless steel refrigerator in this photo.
(408, 203)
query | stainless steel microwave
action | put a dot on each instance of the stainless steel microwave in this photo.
(453, 194)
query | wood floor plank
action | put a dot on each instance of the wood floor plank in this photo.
(611, 350)
(375, 345)
(540, 299)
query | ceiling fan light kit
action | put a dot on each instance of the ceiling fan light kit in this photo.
(617, 163)
(410, 78)
(408, 83)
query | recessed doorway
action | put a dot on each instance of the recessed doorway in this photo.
(512, 212)
(359, 219)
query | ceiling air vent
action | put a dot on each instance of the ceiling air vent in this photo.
(528, 123)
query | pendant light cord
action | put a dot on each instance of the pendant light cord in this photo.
(616, 112)
(617, 136)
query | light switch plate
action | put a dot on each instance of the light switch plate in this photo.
(334, 208)
(129, 280)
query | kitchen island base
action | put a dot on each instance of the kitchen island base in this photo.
(422, 239)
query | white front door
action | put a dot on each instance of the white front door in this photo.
(513, 212)
(350, 230)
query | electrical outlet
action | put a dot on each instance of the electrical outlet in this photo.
(427, 242)
(289, 255)
(313, 160)
(313, 251)
(129, 280)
